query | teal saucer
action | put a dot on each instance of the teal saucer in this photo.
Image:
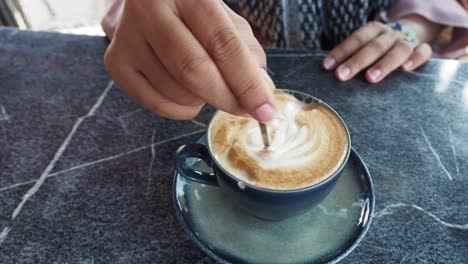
(326, 234)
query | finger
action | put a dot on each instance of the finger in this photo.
(187, 61)
(211, 24)
(353, 43)
(420, 55)
(366, 56)
(391, 61)
(161, 80)
(150, 98)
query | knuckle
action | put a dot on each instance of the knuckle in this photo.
(130, 5)
(113, 62)
(376, 24)
(360, 39)
(259, 53)
(224, 44)
(240, 21)
(138, 8)
(394, 34)
(247, 87)
(405, 46)
(109, 58)
(257, 49)
(379, 46)
(192, 64)
(387, 30)
(383, 27)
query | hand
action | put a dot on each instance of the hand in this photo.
(382, 47)
(173, 56)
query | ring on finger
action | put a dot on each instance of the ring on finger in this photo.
(408, 33)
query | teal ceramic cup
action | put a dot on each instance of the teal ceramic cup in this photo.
(262, 203)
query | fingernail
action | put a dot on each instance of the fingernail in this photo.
(328, 63)
(374, 74)
(264, 113)
(344, 72)
(407, 65)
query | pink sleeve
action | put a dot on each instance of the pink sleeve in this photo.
(112, 17)
(450, 13)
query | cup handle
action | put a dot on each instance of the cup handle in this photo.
(199, 151)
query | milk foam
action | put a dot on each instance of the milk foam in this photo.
(288, 140)
(308, 143)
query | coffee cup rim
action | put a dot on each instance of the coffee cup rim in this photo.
(313, 186)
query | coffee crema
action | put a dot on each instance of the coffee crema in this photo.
(308, 144)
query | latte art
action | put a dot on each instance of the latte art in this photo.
(308, 143)
(292, 142)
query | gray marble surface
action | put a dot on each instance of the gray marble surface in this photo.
(86, 173)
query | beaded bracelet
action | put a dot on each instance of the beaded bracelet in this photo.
(409, 34)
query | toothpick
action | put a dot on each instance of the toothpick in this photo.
(266, 140)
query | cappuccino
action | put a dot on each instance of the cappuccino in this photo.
(308, 144)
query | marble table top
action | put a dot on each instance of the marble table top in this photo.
(86, 173)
